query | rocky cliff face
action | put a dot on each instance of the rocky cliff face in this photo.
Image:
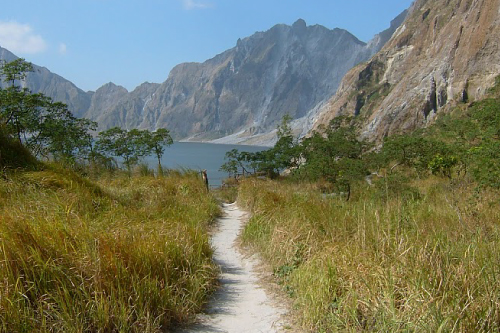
(113, 105)
(52, 85)
(446, 52)
(244, 92)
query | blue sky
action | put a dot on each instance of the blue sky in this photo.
(92, 42)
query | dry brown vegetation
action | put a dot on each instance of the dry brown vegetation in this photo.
(118, 255)
(423, 258)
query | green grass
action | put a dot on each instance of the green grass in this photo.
(119, 255)
(385, 261)
(228, 192)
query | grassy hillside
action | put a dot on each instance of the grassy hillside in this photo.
(119, 255)
(424, 258)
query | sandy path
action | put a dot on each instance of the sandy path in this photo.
(240, 305)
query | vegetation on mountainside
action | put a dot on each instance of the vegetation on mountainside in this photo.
(416, 247)
(460, 142)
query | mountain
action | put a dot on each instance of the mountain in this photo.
(238, 96)
(113, 105)
(54, 86)
(245, 91)
(445, 53)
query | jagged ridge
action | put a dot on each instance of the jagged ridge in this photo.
(239, 94)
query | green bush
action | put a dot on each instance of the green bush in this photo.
(13, 154)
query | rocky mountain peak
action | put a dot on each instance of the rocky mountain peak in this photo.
(299, 26)
(111, 88)
(446, 52)
(245, 91)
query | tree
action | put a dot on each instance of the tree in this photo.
(233, 161)
(236, 159)
(21, 111)
(46, 127)
(334, 155)
(15, 70)
(156, 142)
(18, 105)
(128, 145)
(61, 135)
(116, 142)
(422, 153)
(284, 154)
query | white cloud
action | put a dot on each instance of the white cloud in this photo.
(63, 49)
(20, 38)
(192, 4)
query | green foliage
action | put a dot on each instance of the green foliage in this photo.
(442, 165)
(485, 153)
(15, 70)
(406, 150)
(128, 145)
(132, 145)
(156, 142)
(21, 111)
(283, 155)
(336, 155)
(486, 166)
(47, 128)
(235, 159)
(422, 153)
(474, 139)
(62, 136)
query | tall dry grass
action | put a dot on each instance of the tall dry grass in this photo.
(123, 255)
(425, 260)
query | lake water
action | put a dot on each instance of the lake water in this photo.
(199, 156)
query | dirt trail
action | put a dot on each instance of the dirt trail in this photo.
(240, 305)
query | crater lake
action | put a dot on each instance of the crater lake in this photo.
(199, 156)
